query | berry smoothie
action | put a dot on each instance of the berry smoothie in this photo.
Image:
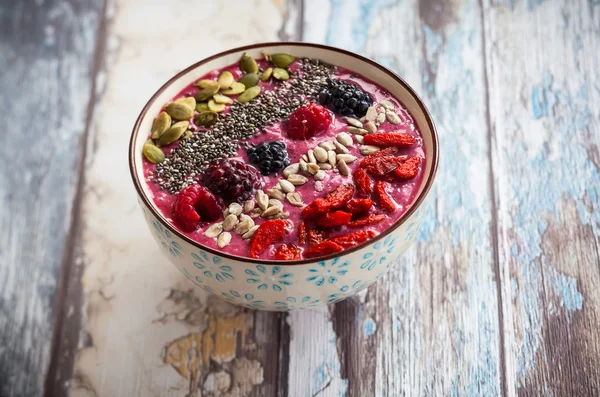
(283, 159)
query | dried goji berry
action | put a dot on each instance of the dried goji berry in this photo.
(302, 232)
(362, 181)
(390, 151)
(385, 201)
(390, 139)
(334, 219)
(316, 236)
(354, 238)
(318, 207)
(340, 195)
(324, 248)
(368, 220)
(288, 252)
(409, 168)
(268, 233)
(358, 206)
(384, 165)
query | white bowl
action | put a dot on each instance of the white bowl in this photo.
(286, 285)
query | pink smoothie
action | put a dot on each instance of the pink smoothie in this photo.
(402, 192)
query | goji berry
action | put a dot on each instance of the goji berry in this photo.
(354, 238)
(390, 151)
(384, 165)
(368, 220)
(340, 195)
(409, 168)
(358, 206)
(318, 207)
(335, 219)
(324, 248)
(390, 139)
(268, 233)
(385, 201)
(288, 252)
(302, 232)
(362, 181)
(316, 236)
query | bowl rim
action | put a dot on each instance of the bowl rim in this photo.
(270, 262)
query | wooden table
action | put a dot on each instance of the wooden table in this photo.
(500, 296)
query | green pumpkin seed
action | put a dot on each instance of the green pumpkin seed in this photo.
(215, 107)
(202, 107)
(225, 80)
(206, 83)
(153, 154)
(235, 89)
(173, 133)
(179, 111)
(249, 94)
(281, 74)
(208, 88)
(190, 101)
(218, 98)
(249, 80)
(206, 119)
(187, 134)
(282, 60)
(161, 123)
(150, 142)
(266, 74)
(248, 64)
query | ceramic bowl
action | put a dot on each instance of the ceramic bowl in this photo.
(281, 285)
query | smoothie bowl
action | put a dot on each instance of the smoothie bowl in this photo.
(284, 176)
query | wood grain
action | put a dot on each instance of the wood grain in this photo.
(46, 58)
(545, 133)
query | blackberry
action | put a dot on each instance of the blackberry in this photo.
(271, 157)
(345, 98)
(232, 180)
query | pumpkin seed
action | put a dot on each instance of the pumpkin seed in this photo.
(224, 239)
(215, 107)
(173, 133)
(189, 100)
(287, 186)
(296, 179)
(250, 233)
(218, 98)
(235, 89)
(214, 230)
(201, 107)
(392, 117)
(343, 167)
(161, 123)
(179, 111)
(281, 74)
(225, 80)
(295, 199)
(153, 154)
(282, 60)
(150, 142)
(249, 94)
(248, 64)
(266, 75)
(235, 209)
(249, 205)
(206, 119)
(291, 169)
(187, 134)
(249, 80)
(208, 88)
(276, 194)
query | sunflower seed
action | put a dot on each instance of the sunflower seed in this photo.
(354, 122)
(235, 209)
(296, 179)
(325, 166)
(340, 148)
(275, 203)
(311, 156)
(331, 157)
(327, 145)
(287, 186)
(380, 119)
(250, 233)
(295, 199)
(320, 154)
(291, 169)
(319, 186)
(371, 127)
(348, 158)
(230, 221)
(214, 230)
(319, 176)
(363, 119)
(255, 213)
(281, 215)
(359, 139)
(343, 167)
(224, 239)
(275, 193)
(271, 211)
(244, 226)
(392, 117)
(303, 166)
(366, 150)
(387, 105)
(313, 168)
(344, 138)
(304, 157)
(354, 130)
(262, 199)
(245, 217)
(371, 113)
(249, 205)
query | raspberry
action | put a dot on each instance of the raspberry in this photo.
(308, 121)
(409, 168)
(316, 236)
(195, 203)
(354, 238)
(302, 232)
(368, 220)
(370, 159)
(385, 200)
(339, 196)
(268, 233)
(232, 180)
(335, 219)
(358, 206)
(390, 139)
(287, 252)
(324, 248)
(362, 181)
(318, 207)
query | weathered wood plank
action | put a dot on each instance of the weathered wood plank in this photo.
(147, 331)
(46, 59)
(431, 326)
(543, 63)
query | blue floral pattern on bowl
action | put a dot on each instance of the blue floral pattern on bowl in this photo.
(165, 237)
(264, 279)
(212, 268)
(292, 303)
(328, 271)
(246, 300)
